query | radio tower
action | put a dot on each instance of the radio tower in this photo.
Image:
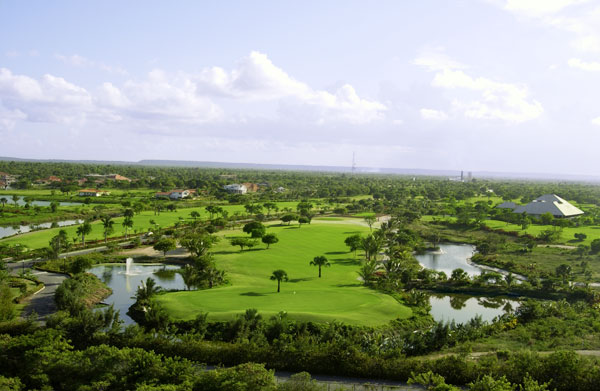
(353, 163)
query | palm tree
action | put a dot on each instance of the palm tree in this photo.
(320, 261)
(367, 271)
(147, 290)
(189, 275)
(279, 275)
(83, 230)
(3, 200)
(107, 223)
(371, 246)
(127, 223)
(15, 199)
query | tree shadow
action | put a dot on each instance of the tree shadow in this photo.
(348, 285)
(346, 261)
(225, 252)
(252, 294)
(352, 232)
(292, 227)
(301, 279)
(336, 252)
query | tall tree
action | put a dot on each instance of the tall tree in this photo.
(107, 224)
(84, 229)
(320, 261)
(127, 224)
(279, 275)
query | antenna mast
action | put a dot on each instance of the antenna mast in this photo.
(353, 163)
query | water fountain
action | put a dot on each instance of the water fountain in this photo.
(128, 263)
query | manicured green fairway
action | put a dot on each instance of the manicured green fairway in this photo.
(338, 295)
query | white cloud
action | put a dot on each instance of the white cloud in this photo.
(162, 99)
(578, 17)
(491, 99)
(51, 99)
(436, 60)
(435, 115)
(256, 78)
(540, 7)
(586, 66)
(596, 121)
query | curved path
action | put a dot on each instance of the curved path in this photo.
(42, 303)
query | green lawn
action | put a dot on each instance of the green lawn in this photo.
(567, 236)
(338, 295)
(141, 223)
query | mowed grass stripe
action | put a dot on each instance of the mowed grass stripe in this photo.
(338, 295)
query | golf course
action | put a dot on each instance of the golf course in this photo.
(338, 295)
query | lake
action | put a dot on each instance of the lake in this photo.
(10, 231)
(22, 202)
(449, 257)
(462, 308)
(124, 285)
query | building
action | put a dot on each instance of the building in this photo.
(173, 194)
(47, 181)
(251, 187)
(117, 177)
(92, 193)
(548, 203)
(103, 177)
(235, 188)
(7, 179)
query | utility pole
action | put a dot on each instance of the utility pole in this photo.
(353, 163)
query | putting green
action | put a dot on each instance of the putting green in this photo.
(338, 295)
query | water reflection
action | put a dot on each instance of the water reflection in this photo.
(22, 202)
(462, 308)
(21, 229)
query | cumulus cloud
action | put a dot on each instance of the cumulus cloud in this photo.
(578, 17)
(50, 99)
(491, 99)
(586, 66)
(256, 78)
(540, 7)
(161, 99)
(434, 115)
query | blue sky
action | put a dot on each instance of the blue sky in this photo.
(497, 85)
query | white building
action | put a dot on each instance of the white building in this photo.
(548, 203)
(236, 188)
(174, 194)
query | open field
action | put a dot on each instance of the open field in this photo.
(141, 223)
(592, 232)
(338, 295)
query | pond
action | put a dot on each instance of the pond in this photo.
(462, 308)
(449, 257)
(21, 229)
(124, 285)
(22, 202)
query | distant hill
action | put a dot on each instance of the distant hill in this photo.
(340, 169)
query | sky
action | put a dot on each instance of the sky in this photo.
(474, 85)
